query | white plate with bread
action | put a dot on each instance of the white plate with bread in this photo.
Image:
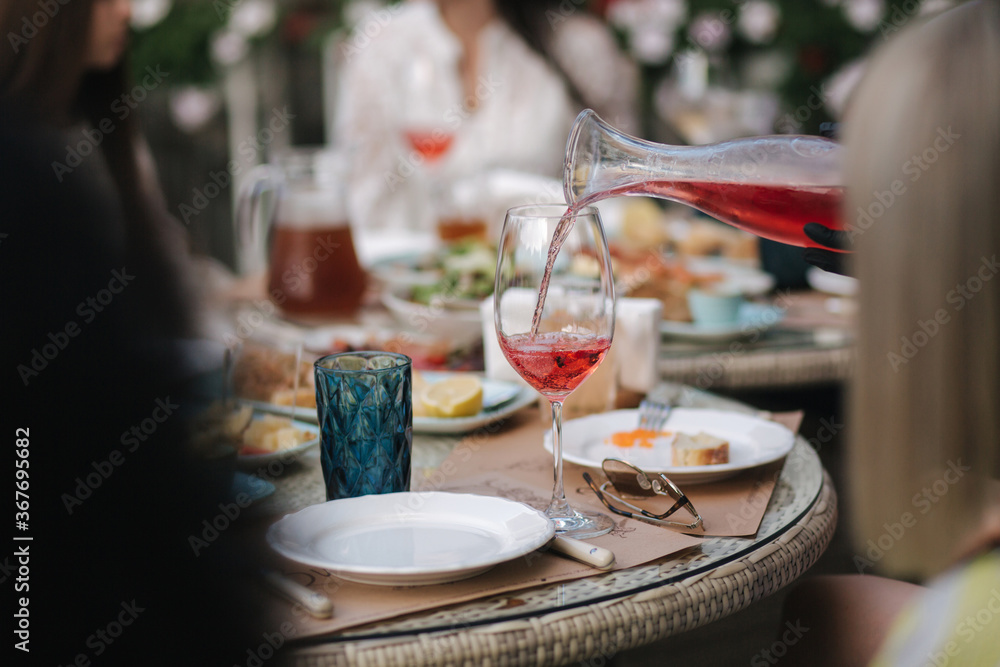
(694, 446)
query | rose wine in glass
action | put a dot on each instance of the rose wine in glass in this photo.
(431, 145)
(575, 321)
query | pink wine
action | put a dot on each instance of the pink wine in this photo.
(776, 212)
(554, 363)
(431, 145)
(559, 235)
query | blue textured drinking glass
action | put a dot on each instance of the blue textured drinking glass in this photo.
(365, 408)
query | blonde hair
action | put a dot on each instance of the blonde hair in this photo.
(923, 172)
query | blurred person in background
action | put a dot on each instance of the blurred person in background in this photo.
(446, 89)
(91, 299)
(924, 454)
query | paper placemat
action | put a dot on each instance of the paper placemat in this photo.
(512, 463)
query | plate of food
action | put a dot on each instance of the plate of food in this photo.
(257, 438)
(460, 402)
(410, 538)
(669, 279)
(694, 446)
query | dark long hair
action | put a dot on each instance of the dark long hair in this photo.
(45, 77)
(530, 20)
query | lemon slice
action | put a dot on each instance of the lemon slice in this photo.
(458, 396)
(420, 385)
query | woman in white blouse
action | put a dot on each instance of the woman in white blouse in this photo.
(488, 84)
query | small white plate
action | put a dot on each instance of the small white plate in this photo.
(500, 399)
(831, 283)
(752, 442)
(753, 317)
(284, 455)
(410, 538)
(737, 278)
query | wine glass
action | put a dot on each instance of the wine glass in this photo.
(556, 340)
(429, 95)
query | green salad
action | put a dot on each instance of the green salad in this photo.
(467, 271)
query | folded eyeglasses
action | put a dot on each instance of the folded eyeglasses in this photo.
(630, 481)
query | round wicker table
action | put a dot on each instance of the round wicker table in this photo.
(597, 617)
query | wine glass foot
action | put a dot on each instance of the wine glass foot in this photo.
(581, 525)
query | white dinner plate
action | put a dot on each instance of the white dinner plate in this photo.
(753, 317)
(752, 442)
(254, 461)
(410, 538)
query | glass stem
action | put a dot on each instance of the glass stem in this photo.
(559, 506)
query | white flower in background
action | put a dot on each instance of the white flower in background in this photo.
(228, 47)
(864, 15)
(709, 31)
(758, 21)
(191, 107)
(625, 14)
(650, 26)
(147, 13)
(251, 18)
(666, 12)
(651, 45)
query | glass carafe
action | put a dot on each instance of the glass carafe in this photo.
(769, 185)
(313, 268)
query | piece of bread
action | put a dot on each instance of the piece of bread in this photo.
(701, 449)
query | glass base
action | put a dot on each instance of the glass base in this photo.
(582, 525)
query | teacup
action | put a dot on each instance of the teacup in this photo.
(714, 308)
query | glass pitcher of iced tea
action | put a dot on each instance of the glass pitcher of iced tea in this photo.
(299, 205)
(770, 186)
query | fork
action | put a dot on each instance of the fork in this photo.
(653, 414)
